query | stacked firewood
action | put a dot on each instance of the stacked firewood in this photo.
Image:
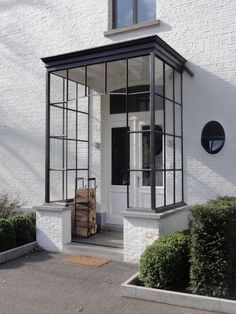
(85, 212)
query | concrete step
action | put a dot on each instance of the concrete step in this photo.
(73, 248)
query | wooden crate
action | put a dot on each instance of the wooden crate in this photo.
(85, 212)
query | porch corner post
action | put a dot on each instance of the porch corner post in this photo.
(47, 144)
(152, 139)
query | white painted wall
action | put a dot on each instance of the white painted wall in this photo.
(202, 31)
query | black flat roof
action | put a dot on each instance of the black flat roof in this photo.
(116, 51)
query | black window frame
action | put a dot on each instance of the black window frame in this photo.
(135, 15)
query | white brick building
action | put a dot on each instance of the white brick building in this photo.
(123, 154)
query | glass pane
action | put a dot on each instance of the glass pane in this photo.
(56, 121)
(159, 86)
(138, 196)
(77, 75)
(56, 182)
(56, 153)
(168, 82)
(159, 105)
(116, 77)
(83, 104)
(146, 10)
(71, 124)
(178, 186)
(124, 12)
(139, 103)
(82, 155)
(178, 120)
(117, 104)
(57, 86)
(169, 116)
(159, 197)
(71, 155)
(96, 79)
(178, 153)
(138, 74)
(169, 152)
(177, 87)
(71, 175)
(82, 126)
(72, 90)
(119, 157)
(169, 188)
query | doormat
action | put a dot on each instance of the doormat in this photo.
(86, 260)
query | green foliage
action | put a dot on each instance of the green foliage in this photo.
(24, 226)
(213, 250)
(165, 264)
(9, 206)
(7, 235)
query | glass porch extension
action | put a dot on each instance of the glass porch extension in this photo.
(141, 80)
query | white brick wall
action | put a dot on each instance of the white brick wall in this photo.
(53, 227)
(202, 31)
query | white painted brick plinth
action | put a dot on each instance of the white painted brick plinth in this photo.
(53, 226)
(142, 228)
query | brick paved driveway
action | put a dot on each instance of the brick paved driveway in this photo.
(43, 283)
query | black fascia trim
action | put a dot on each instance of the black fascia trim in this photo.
(117, 50)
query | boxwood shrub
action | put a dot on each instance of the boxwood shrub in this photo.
(213, 247)
(7, 235)
(24, 226)
(165, 264)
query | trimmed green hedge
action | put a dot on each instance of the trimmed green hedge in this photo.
(17, 230)
(165, 264)
(213, 248)
(7, 235)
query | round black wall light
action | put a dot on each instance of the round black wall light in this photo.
(213, 137)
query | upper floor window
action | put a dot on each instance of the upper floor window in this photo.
(128, 12)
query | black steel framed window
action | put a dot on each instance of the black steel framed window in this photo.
(144, 79)
(128, 12)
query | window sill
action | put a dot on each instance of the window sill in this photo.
(132, 27)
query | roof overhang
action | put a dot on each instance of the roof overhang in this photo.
(117, 51)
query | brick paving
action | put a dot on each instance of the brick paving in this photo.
(42, 283)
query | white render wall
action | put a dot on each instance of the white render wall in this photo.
(202, 31)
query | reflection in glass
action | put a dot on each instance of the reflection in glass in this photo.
(177, 87)
(124, 13)
(169, 152)
(77, 77)
(57, 87)
(119, 155)
(116, 77)
(213, 137)
(146, 10)
(96, 79)
(168, 82)
(138, 73)
(159, 76)
(169, 116)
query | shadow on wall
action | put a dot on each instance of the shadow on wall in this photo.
(208, 97)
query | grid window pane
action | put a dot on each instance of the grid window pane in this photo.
(138, 74)
(159, 84)
(159, 111)
(58, 86)
(178, 153)
(56, 153)
(178, 186)
(56, 186)
(177, 87)
(82, 155)
(178, 120)
(77, 76)
(169, 152)
(123, 12)
(56, 124)
(71, 124)
(169, 187)
(169, 117)
(146, 10)
(168, 82)
(116, 77)
(96, 79)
